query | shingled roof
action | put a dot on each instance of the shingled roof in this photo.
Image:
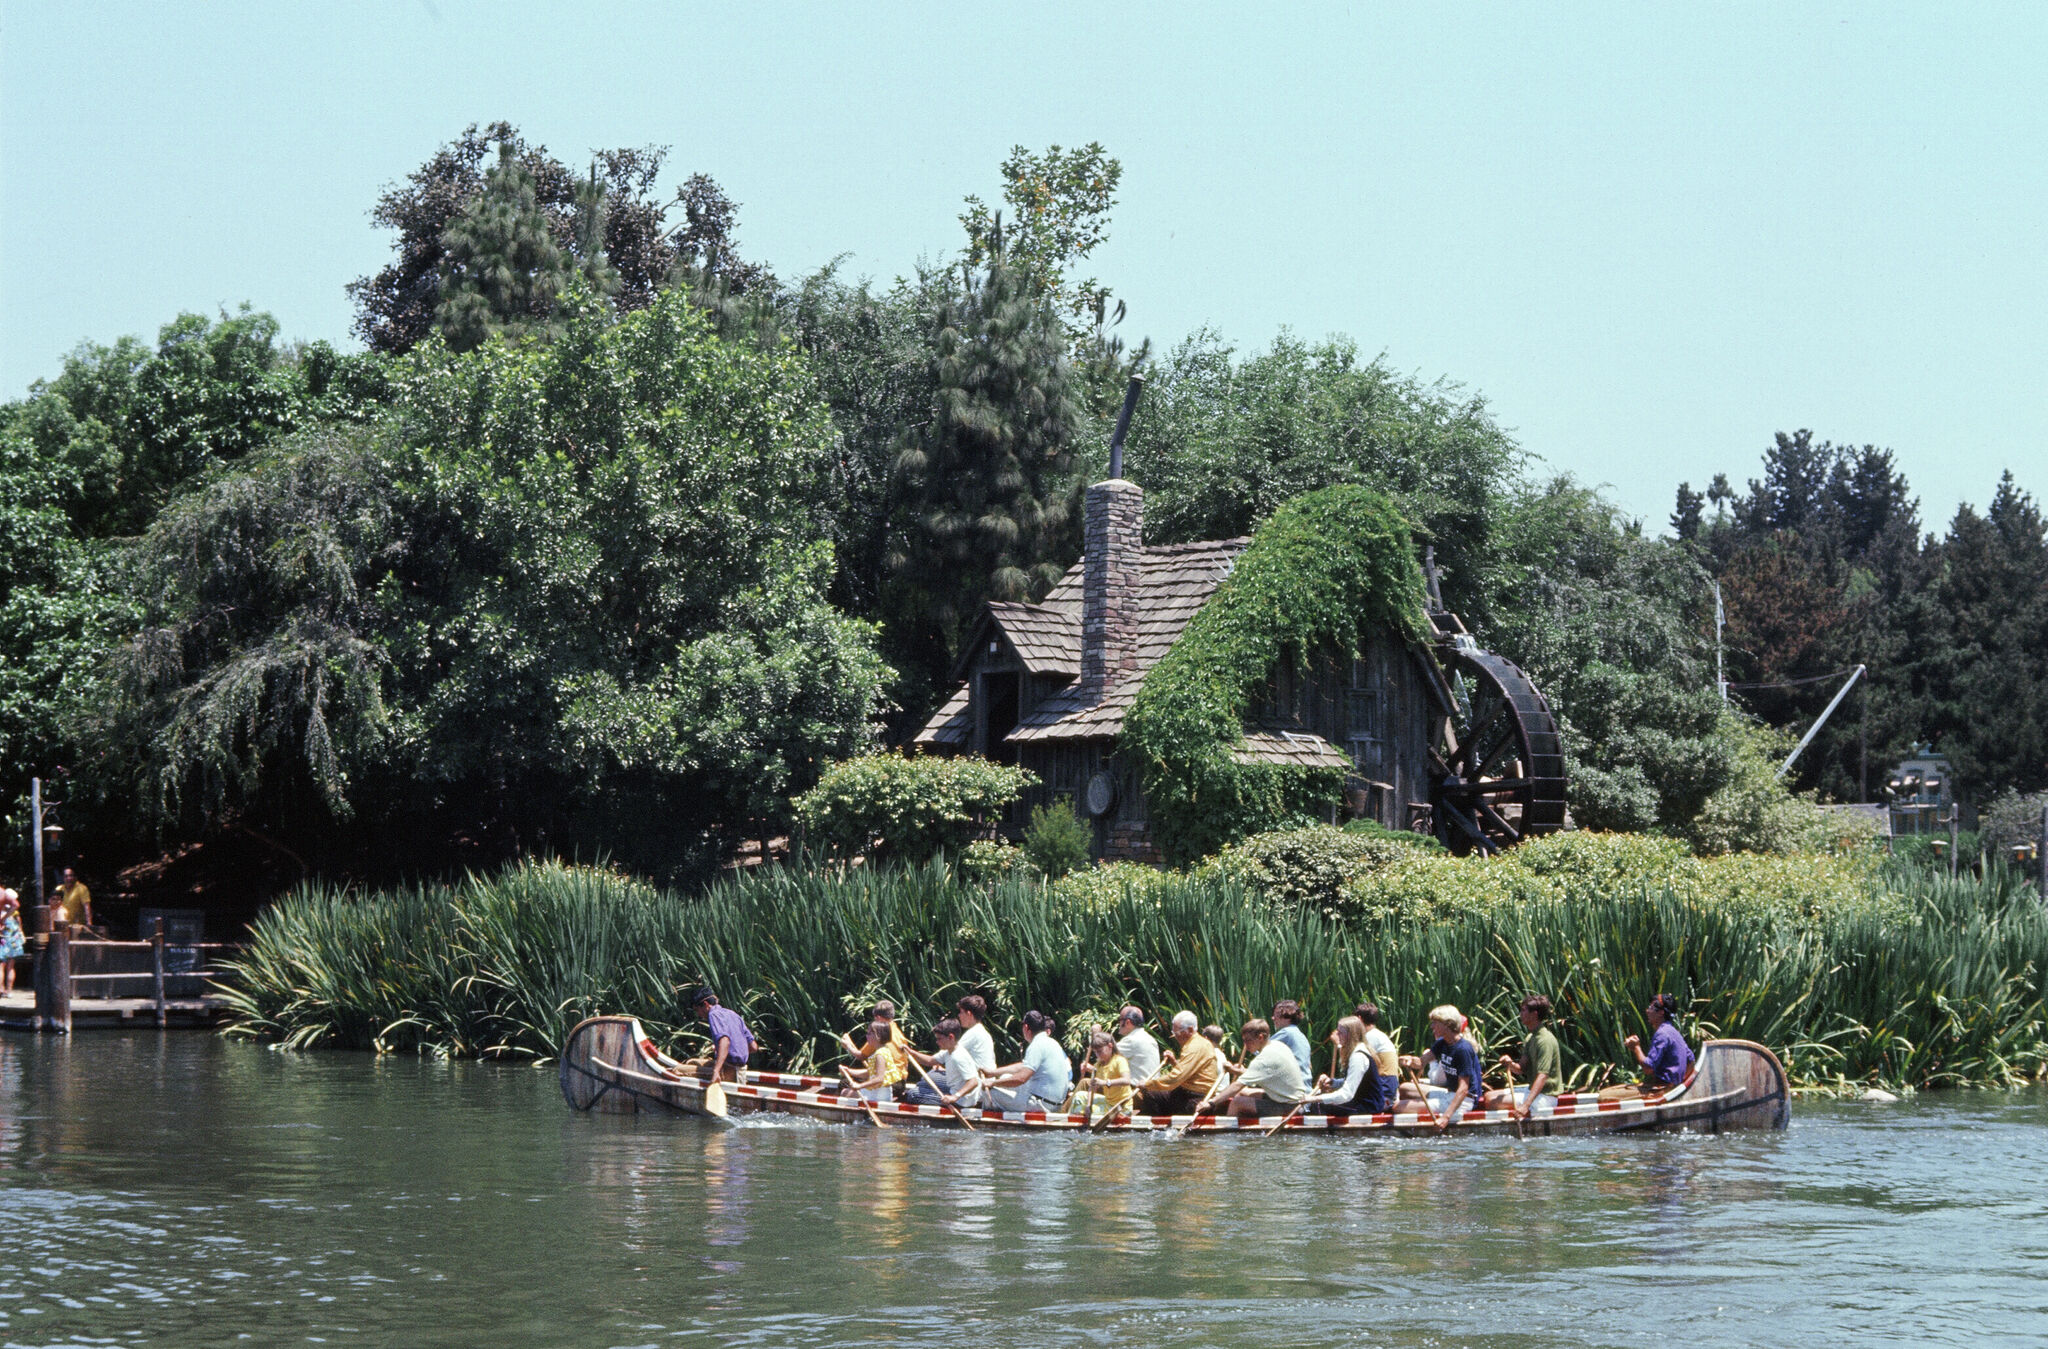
(1175, 581)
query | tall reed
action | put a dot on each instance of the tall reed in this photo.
(1926, 981)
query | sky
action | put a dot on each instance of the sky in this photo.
(1649, 236)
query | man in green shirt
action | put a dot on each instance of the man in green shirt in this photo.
(1541, 1065)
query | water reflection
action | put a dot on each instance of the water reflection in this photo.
(174, 1190)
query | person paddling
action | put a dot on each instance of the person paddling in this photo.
(1459, 1057)
(1271, 1083)
(1541, 1065)
(957, 1081)
(731, 1042)
(1669, 1058)
(1180, 1086)
(1109, 1074)
(1363, 1090)
(1041, 1079)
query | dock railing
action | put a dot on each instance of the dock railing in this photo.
(58, 978)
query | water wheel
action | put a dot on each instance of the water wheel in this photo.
(1496, 760)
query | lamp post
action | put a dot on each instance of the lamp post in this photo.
(39, 916)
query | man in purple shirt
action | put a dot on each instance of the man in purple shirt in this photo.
(1668, 1058)
(731, 1041)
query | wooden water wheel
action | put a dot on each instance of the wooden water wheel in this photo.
(1496, 759)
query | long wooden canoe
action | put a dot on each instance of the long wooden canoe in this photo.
(610, 1065)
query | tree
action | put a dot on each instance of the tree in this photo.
(396, 307)
(1220, 441)
(1059, 204)
(568, 597)
(501, 270)
(985, 477)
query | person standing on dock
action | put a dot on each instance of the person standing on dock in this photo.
(1287, 1031)
(731, 1042)
(1178, 1088)
(13, 945)
(1136, 1044)
(74, 901)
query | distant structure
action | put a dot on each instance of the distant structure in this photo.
(1922, 793)
(1440, 737)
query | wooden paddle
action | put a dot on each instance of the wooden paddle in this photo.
(1214, 1087)
(1423, 1092)
(874, 1116)
(950, 1105)
(714, 1100)
(1299, 1107)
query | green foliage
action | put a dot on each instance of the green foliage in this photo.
(1327, 568)
(566, 596)
(1057, 841)
(1221, 441)
(1753, 811)
(908, 807)
(1373, 829)
(1059, 205)
(1905, 979)
(2013, 819)
(984, 475)
(1313, 866)
(985, 859)
(502, 271)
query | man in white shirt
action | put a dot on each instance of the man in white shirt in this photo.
(975, 1041)
(1271, 1083)
(1136, 1044)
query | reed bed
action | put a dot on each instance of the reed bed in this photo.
(1930, 982)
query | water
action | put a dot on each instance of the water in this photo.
(179, 1190)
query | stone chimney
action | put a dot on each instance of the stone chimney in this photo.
(1111, 563)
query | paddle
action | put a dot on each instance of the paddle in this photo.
(874, 1116)
(1510, 1069)
(1424, 1094)
(1299, 1107)
(950, 1105)
(714, 1100)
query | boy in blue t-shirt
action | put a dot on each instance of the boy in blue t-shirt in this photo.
(1460, 1057)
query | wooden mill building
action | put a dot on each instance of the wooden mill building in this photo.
(1046, 686)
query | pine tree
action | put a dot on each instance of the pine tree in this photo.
(503, 271)
(985, 476)
(592, 262)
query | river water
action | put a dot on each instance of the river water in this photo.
(175, 1189)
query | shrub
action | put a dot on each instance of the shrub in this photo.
(1374, 829)
(906, 807)
(1103, 887)
(1754, 812)
(987, 860)
(1056, 841)
(1307, 867)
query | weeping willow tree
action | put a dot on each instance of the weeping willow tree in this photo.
(987, 476)
(252, 688)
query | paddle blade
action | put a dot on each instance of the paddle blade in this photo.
(714, 1100)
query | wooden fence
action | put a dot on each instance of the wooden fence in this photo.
(89, 971)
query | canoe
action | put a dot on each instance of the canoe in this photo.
(611, 1065)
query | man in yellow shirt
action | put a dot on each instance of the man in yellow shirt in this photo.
(1178, 1087)
(74, 901)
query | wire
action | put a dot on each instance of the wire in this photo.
(1795, 683)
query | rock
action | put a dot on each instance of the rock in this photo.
(1878, 1096)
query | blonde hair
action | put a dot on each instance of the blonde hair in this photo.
(1350, 1035)
(1448, 1015)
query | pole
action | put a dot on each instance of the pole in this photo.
(2041, 857)
(1123, 424)
(39, 920)
(1720, 622)
(60, 979)
(156, 964)
(1863, 750)
(1814, 729)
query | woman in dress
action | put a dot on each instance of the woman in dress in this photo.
(13, 946)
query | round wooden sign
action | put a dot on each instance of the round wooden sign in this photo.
(1099, 797)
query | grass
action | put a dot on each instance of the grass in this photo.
(1931, 982)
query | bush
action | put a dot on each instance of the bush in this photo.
(2013, 819)
(986, 860)
(1754, 812)
(906, 807)
(1098, 888)
(1056, 841)
(1374, 829)
(1308, 867)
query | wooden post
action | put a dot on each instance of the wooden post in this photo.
(39, 979)
(59, 958)
(2041, 857)
(156, 961)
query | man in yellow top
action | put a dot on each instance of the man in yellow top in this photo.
(74, 901)
(1178, 1087)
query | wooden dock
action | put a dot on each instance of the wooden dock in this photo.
(82, 982)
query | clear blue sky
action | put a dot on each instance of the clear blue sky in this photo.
(1651, 236)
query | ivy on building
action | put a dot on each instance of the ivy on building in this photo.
(1327, 568)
